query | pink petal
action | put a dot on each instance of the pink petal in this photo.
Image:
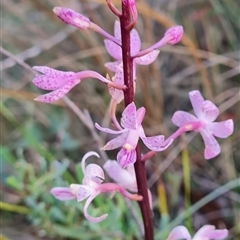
(59, 93)
(85, 157)
(50, 83)
(117, 30)
(135, 42)
(212, 148)
(112, 66)
(196, 100)
(62, 193)
(53, 72)
(200, 234)
(120, 176)
(140, 115)
(108, 130)
(156, 143)
(116, 142)
(129, 116)
(83, 192)
(148, 58)
(217, 234)
(181, 118)
(126, 157)
(113, 49)
(95, 172)
(221, 129)
(208, 232)
(178, 233)
(116, 94)
(209, 111)
(88, 217)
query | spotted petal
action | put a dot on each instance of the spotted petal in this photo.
(51, 83)
(121, 176)
(83, 192)
(221, 129)
(179, 232)
(88, 217)
(95, 173)
(53, 72)
(57, 94)
(113, 49)
(156, 143)
(196, 99)
(62, 193)
(148, 58)
(126, 157)
(212, 148)
(209, 111)
(116, 142)
(129, 116)
(108, 130)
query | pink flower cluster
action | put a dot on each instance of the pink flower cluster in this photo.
(130, 130)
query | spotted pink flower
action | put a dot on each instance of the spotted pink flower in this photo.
(132, 130)
(60, 83)
(206, 113)
(116, 51)
(91, 187)
(207, 232)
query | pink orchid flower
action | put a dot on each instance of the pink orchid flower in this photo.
(124, 177)
(90, 188)
(62, 82)
(116, 51)
(206, 113)
(132, 130)
(207, 232)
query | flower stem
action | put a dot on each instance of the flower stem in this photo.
(128, 98)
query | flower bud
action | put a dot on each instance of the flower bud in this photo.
(71, 17)
(175, 34)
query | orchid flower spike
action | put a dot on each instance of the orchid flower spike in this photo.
(91, 187)
(116, 51)
(132, 130)
(62, 82)
(206, 113)
(124, 177)
(207, 232)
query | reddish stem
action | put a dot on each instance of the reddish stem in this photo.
(128, 98)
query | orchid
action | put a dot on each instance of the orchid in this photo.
(62, 82)
(207, 232)
(116, 51)
(132, 130)
(206, 113)
(124, 177)
(90, 188)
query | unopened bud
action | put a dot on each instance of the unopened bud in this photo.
(71, 17)
(175, 34)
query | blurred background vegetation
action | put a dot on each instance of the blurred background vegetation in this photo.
(42, 144)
